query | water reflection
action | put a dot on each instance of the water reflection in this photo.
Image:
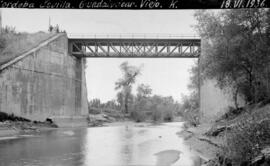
(101, 146)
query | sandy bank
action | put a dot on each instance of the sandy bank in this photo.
(13, 129)
(203, 146)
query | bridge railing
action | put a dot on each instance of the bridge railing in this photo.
(132, 36)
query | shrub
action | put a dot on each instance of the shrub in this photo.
(9, 29)
(2, 43)
(190, 108)
(246, 142)
(168, 115)
(93, 110)
(157, 115)
(249, 135)
(138, 116)
(192, 116)
(231, 113)
(4, 116)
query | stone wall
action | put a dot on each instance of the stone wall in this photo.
(214, 101)
(47, 83)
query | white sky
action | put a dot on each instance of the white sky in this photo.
(167, 77)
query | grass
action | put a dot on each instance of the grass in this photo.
(17, 43)
(249, 133)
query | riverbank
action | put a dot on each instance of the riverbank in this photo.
(203, 146)
(228, 138)
(11, 129)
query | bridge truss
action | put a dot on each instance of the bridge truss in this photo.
(134, 47)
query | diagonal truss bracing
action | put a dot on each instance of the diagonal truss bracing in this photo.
(135, 47)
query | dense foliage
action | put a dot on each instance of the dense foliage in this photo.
(2, 42)
(95, 106)
(236, 51)
(154, 108)
(190, 103)
(5, 31)
(125, 84)
(143, 106)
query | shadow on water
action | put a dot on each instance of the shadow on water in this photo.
(100, 146)
(167, 157)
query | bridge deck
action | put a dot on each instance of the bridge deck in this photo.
(134, 47)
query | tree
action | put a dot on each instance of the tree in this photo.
(144, 90)
(119, 99)
(190, 108)
(194, 81)
(142, 101)
(125, 84)
(163, 108)
(111, 104)
(190, 103)
(2, 43)
(95, 103)
(235, 51)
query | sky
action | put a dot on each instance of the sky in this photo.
(167, 77)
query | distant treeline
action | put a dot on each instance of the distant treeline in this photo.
(145, 106)
(141, 108)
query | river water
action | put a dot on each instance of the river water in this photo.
(120, 145)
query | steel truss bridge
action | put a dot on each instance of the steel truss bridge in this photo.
(135, 46)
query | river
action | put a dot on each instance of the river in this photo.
(120, 145)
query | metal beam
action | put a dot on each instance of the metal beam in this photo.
(135, 47)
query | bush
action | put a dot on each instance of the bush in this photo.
(4, 116)
(93, 110)
(2, 43)
(157, 115)
(231, 113)
(245, 143)
(168, 115)
(138, 116)
(190, 108)
(9, 29)
(192, 116)
(249, 136)
(113, 113)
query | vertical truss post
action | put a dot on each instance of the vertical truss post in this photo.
(168, 49)
(132, 49)
(108, 49)
(96, 48)
(180, 48)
